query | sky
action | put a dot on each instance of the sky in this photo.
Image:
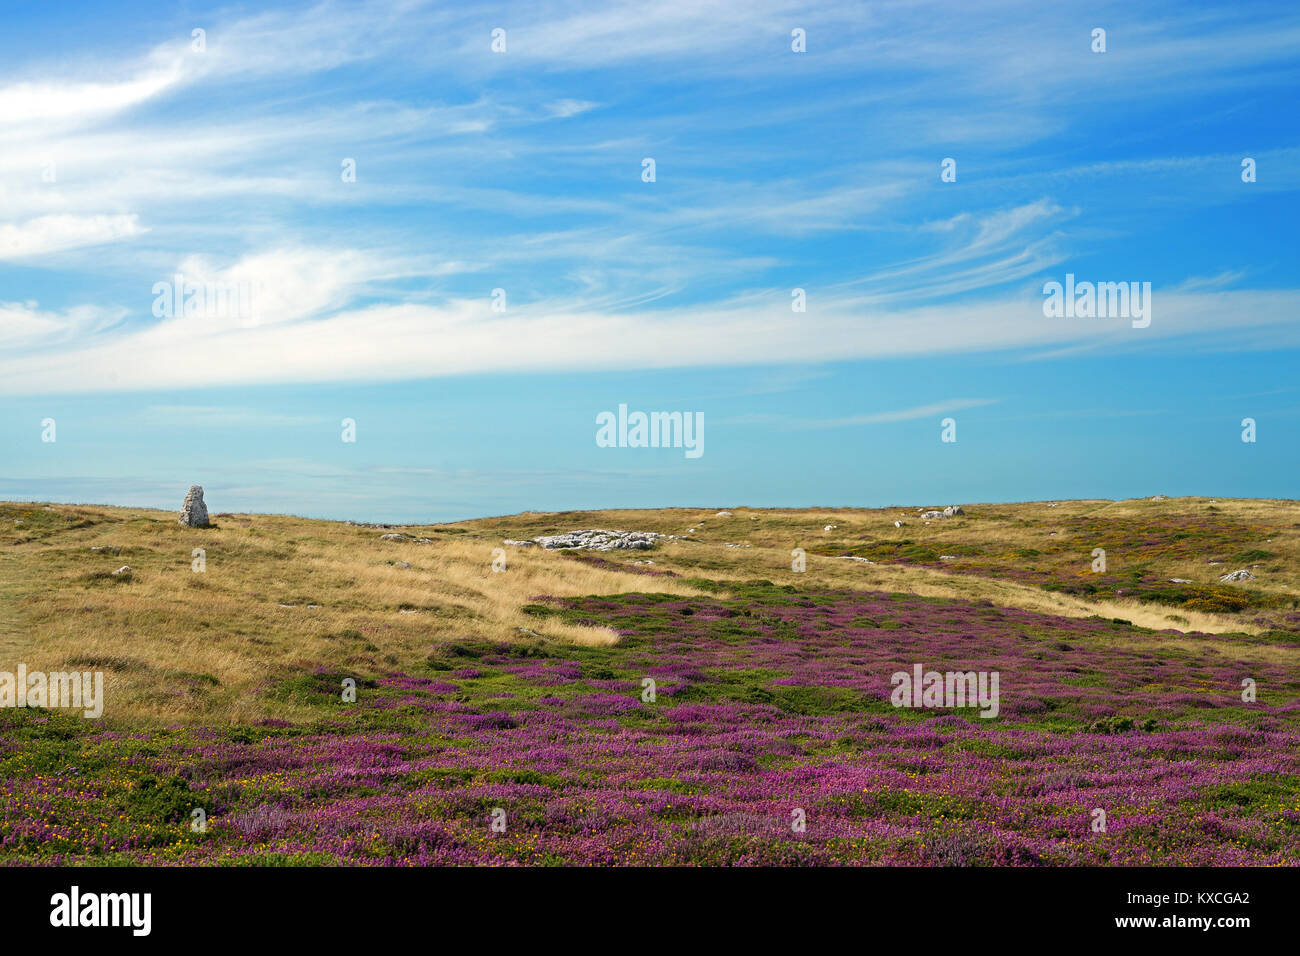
(436, 230)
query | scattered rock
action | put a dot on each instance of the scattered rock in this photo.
(601, 540)
(1053, 504)
(948, 512)
(735, 546)
(1242, 575)
(1213, 562)
(512, 543)
(403, 537)
(116, 549)
(194, 513)
(898, 524)
(723, 514)
(1157, 497)
(528, 631)
(947, 557)
(404, 565)
(124, 569)
(830, 527)
(1181, 581)
(852, 557)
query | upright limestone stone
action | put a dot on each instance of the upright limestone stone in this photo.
(194, 512)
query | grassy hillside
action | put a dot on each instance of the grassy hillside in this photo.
(507, 716)
(280, 594)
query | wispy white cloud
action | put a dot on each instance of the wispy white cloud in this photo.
(394, 342)
(48, 234)
(470, 178)
(25, 325)
(866, 418)
(220, 416)
(565, 108)
(47, 101)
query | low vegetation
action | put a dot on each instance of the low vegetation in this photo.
(525, 690)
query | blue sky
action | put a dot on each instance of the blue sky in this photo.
(128, 156)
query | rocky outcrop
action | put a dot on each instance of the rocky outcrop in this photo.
(949, 512)
(194, 513)
(1242, 575)
(601, 540)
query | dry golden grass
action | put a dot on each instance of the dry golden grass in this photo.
(179, 644)
(182, 646)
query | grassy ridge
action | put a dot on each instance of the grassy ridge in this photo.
(281, 594)
(521, 690)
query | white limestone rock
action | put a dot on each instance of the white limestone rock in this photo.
(597, 539)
